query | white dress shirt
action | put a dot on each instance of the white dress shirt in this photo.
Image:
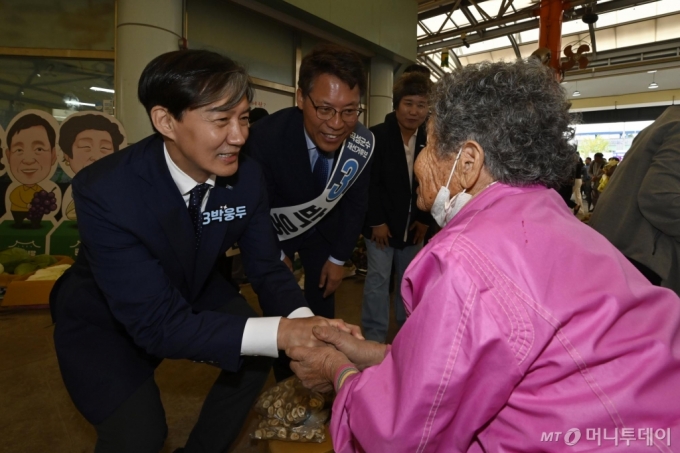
(313, 156)
(259, 334)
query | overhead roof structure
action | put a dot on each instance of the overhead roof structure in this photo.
(629, 37)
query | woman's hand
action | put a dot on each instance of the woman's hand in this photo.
(343, 326)
(363, 353)
(316, 367)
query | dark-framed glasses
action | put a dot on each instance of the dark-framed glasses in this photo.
(326, 113)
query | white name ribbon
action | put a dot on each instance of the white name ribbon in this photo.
(292, 221)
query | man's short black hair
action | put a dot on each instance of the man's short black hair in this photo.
(28, 121)
(418, 68)
(73, 126)
(596, 155)
(189, 79)
(334, 60)
(410, 84)
(257, 114)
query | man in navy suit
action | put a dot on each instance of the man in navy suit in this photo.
(298, 150)
(155, 221)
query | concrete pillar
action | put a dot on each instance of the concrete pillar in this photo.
(380, 96)
(144, 30)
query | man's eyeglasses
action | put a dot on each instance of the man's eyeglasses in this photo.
(326, 113)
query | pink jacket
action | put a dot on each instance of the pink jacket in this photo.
(528, 332)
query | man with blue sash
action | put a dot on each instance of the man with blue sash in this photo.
(315, 158)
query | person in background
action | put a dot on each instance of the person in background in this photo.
(640, 211)
(578, 198)
(595, 171)
(394, 228)
(607, 172)
(505, 342)
(585, 184)
(257, 114)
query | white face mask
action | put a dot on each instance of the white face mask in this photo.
(444, 208)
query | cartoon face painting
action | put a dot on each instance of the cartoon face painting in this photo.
(84, 138)
(30, 153)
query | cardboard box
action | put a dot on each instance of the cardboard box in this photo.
(23, 292)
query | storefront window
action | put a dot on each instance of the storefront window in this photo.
(58, 86)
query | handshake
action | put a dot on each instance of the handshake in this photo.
(319, 347)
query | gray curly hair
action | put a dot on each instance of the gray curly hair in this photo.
(517, 112)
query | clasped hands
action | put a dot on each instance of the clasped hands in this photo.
(318, 347)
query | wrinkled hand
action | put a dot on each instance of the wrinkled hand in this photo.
(298, 332)
(343, 326)
(316, 367)
(421, 230)
(331, 277)
(380, 235)
(287, 261)
(364, 353)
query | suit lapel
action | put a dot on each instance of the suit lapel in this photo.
(163, 199)
(212, 234)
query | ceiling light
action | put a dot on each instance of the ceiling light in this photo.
(651, 72)
(105, 90)
(576, 93)
(653, 85)
(74, 103)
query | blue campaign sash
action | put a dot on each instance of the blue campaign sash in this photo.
(292, 221)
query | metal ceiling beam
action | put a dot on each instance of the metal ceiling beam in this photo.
(515, 47)
(442, 40)
(491, 34)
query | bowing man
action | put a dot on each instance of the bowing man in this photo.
(155, 222)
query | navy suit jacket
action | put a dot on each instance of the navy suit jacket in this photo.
(390, 193)
(140, 292)
(278, 143)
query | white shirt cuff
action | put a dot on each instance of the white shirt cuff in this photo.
(334, 261)
(283, 255)
(260, 334)
(302, 312)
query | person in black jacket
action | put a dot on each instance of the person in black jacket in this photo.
(395, 226)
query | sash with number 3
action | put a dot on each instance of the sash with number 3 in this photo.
(292, 221)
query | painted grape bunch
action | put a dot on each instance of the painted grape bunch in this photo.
(42, 204)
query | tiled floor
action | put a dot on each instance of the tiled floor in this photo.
(37, 415)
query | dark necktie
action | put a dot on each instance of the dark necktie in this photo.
(320, 170)
(195, 200)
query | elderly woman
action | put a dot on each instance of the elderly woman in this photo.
(511, 343)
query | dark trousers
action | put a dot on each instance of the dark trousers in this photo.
(138, 425)
(314, 253)
(586, 189)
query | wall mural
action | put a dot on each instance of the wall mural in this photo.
(38, 217)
